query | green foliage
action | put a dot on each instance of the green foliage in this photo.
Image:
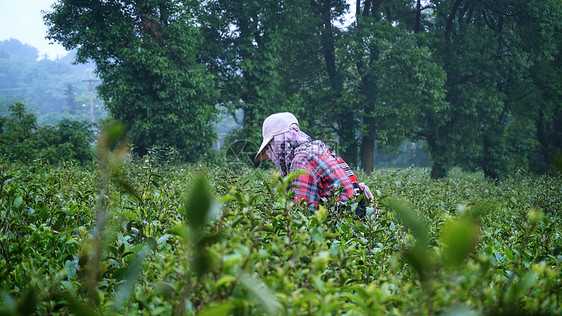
(494, 86)
(18, 138)
(256, 48)
(186, 239)
(147, 57)
(396, 82)
(67, 141)
(21, 139)
(477, 81)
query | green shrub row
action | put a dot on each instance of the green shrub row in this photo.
(160, 239)
(22, 139)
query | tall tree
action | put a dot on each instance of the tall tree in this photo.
(269, 57)
(70, 105)
(147, 55)
(333, 108)
(394, 77)
(485, 48)
(243, 48)
(535, 94)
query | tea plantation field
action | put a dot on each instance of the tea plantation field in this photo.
(147, 237)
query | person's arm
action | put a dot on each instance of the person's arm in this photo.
(366, 191)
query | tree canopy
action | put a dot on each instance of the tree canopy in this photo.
(477, 81)
(147, 55)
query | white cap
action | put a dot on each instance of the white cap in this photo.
(274, 125)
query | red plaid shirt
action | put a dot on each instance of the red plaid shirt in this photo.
(324, 175)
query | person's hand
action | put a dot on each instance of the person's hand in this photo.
(366, 191)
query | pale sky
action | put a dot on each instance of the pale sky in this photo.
(23, 20)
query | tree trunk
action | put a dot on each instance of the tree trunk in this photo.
(348, 139)
(346, 121)
(417, 23)
(450, 20)
(323, 10)
(491, 162)
(438, 154)
(368, 146)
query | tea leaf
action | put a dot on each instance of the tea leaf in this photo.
(411, 220)
(217, 309)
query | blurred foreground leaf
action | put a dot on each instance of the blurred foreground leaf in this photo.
(197, 203)
(418, 256)
(131, 275)
(263, 295)
(411, 220)
(458, 237)
(217, 309)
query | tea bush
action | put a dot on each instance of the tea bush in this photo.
(149, 237)
(22, 139)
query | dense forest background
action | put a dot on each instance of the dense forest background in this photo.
(476, 83)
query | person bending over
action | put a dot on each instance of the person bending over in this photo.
(292, 150)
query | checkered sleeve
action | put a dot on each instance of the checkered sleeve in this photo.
(305, 185)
